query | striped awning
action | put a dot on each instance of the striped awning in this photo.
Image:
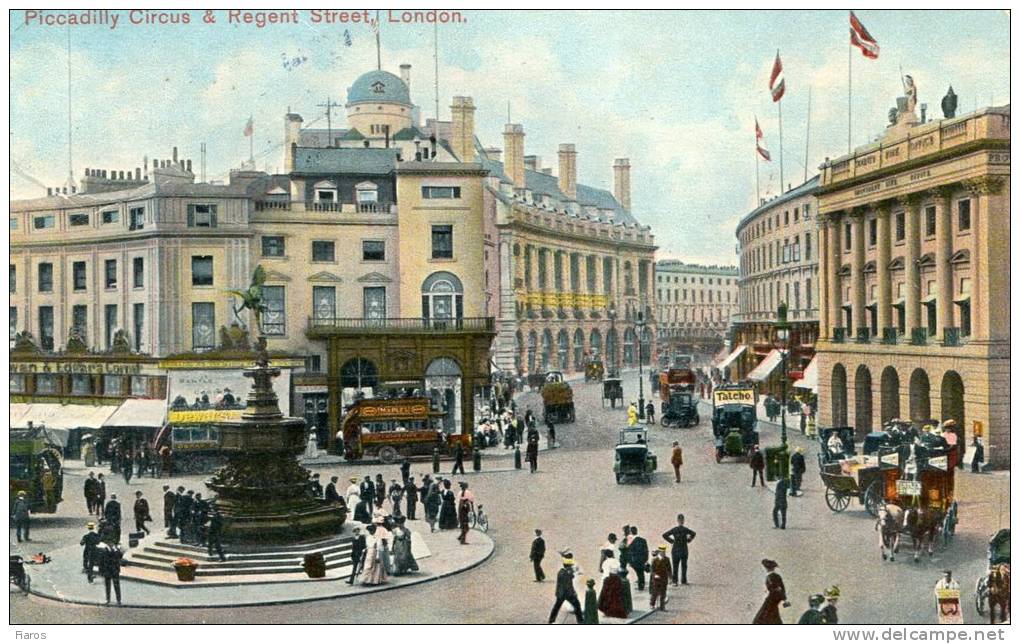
(810, 378)
(766, 366)
(730, 358)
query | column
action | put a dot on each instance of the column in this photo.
(912, 288)
(822, 301)
(860, 317)
(834, 263)
(882, 212)
(943, 252)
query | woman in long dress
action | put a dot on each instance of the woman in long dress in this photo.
(396, 496)
(374, 572)
(385, 538)
(403, 559)
(448, 508)
(432, 503)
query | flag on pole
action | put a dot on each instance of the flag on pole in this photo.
(249, 128)
(860, 38)
(759, 139)
(777, 82)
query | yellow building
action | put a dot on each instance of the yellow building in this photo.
(914, 266)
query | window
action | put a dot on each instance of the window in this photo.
(79, 276)
(110, 271)
(274, 320)
(138, 317)
(45, 277)
(138, 272)
(14, 223)
(964, 317)
(807, 292)
(202, 215)
(796, 215)
(963, 208)
(111, 216)
(373, 251)
(79, 219)
(81, 384)
(136, 218)
(325, 196)
(442, 242)
(80, 319)
(47, 383)
(900, 226)
(110, 323)
(13, 318)
(313, 364)
(113, 385)
(442, 297)
(273, 247)
(872, 232)
(324, 302)
(44, 221)
(929, 221)
(203, 325)
(139, 386)
(323, 251)
(440, 192)
(374, 303)
(201, 270)
(847, 236)
(807, 249)
(13, 279)
(786, 218)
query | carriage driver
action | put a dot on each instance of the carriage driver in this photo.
(835, 446)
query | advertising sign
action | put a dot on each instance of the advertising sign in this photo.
(734, 396)
(207, 395)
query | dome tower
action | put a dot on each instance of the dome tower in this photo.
(376, 101)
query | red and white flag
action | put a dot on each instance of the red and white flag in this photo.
(759, 140)
(249, 128)
(860, 38)
(777, 83)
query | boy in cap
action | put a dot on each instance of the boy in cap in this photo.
(661, 573)
(88, 554)
(565, 591)
(813, 615)
(829, 610)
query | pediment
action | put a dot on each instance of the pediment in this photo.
(960, 257)
(276, 276)
(374, 277)
(897, 264)
(325, 276)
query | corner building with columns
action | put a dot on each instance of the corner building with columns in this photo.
(914, 271)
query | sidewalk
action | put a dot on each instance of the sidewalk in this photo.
(62, 580)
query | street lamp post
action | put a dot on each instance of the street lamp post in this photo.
(614, 368)
(782, 345)
(641, 355)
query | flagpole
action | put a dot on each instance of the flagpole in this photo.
(807, 137)
(757, 177)
(849, 95)
(782, 183)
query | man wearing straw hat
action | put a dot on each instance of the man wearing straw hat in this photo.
(565, 590)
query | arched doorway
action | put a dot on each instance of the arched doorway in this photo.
(578, 350)
(532, 351)
(862, 402)
(953, 407)
(546, 349)
(595, 343)
(629, 352)
(839, 396)
(443, 384)
(890, 395)
(920, 396)
(518, 350)
(563, 349)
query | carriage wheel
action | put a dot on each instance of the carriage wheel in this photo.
(873, 498)
(836, 501)
(388, 455)
(483, 523)
(981, 595)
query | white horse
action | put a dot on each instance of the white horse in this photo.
(891, 519)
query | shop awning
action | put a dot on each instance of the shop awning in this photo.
(17, 411)
(810, 377)
(766, 366)
(138, 413)
(61, 419)
(730, 358)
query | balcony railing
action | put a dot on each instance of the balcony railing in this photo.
(863, 335)
(400, 325)
(375, 207)
(951, 336)
(919, 336)
(839, 335)
(890, 335)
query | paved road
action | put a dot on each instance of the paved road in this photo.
(576, 501)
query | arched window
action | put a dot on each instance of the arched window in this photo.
(518, 348)
(358, 373)
(442, 297)
(443, 383)
(532, 348)
(563, 349)
(546, 349)
(578, 349)
(629, 339)
(595, 342)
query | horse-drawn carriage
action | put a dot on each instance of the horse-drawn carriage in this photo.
(847, 475)
(594, 371)
(557, 399)
(993, 589)
(536, 381)
(612, 391)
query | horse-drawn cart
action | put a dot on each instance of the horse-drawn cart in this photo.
(612, 391)
(856, 479)
(996, 581)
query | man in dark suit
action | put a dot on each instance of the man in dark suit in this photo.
(141, 510)
(368, 492)
(637, 556)
(178, 517)
(357, 554)
(565, 591)
(90, 493)
(112, 515)
(88, 556)
(405, 471)
(331, 494)
(315, 487)
(183, 512)
(100, 495)
(679, 537)
(411, 490)
(169, 498)
(779, 506)
(537, 554)
(757, 466)
(110, 556)
(215, 533)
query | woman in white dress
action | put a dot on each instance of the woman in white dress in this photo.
(374, 572)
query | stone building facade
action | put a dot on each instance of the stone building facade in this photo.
(914, 255)
(695, 304)
(778, 245)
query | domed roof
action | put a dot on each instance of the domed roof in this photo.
(378, 87)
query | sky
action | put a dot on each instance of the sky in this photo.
(675, 92)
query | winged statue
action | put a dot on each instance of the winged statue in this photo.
(251, 298)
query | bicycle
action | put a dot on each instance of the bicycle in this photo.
(479, 520)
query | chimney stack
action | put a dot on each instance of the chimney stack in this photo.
(495, 154)
(291, 135)
(405, 75)
(513, 146)
(568, 170)
(138, 174)
(175, 155)
(532, 162)
(463, 128)
(188, 165)
(621, 182)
